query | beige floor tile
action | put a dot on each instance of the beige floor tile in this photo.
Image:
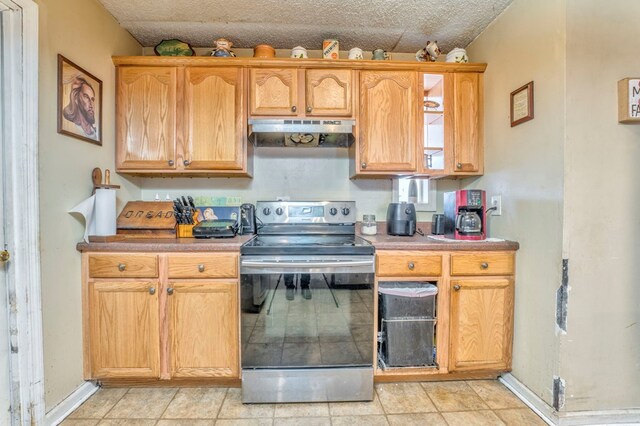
(306, 421)
(473, 418)
(495, 394)
(244, 422)
(454, 396)
(98, 404)
(356, 408)
(195, 403)
(142, 403)
(316, 409)
(416, 419)
(233, 408)
(127, 422)
(520, 417)
(402, 398)
(186, 422)
(359, 421)
(79, 422)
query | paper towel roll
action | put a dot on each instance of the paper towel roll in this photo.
(99, 212)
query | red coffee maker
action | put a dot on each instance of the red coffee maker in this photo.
(465, 214)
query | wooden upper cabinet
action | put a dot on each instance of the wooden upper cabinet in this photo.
(214, 118)
(388, 121)
(329, 92)
(125, 331)
(274, 91)
(146, 118)
(203, 329)
(467, 147)
(481, 324)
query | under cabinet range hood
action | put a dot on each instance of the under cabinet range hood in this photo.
(301, 132)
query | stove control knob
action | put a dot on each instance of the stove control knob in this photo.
(266, 211)
(346, 210)
(407, 210)
(333, 211)
(279, 211)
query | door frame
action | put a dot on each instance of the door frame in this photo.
(21, 220)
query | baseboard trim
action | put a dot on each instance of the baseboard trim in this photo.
(58, 413)
(569, 418)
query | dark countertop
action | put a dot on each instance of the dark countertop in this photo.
(381, 241)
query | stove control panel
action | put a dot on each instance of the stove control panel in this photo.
(300, 212)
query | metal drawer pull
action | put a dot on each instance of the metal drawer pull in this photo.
(121, 267)
(294, 108)
(201, 267)
(411, 265)
(171, 163)
(484, 265)
(456, 287)
(309, 109)
(152, 290)
(170, 291)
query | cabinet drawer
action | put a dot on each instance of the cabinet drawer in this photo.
(482, 264)
(405, 263)
(123, 265)
(210, 265)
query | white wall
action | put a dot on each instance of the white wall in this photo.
(86, 34)
(302, 174)
(600, 355)
(525, 165)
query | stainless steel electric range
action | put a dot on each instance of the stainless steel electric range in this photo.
(307, 305)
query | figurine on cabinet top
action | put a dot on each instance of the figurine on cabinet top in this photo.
(222, 48)
(429, 53)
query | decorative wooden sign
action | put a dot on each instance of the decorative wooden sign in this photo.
(629, 100)
(153, 219)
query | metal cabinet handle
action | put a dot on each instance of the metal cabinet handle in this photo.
(294, 108)
(186, 162)
(411, 265)
(4, 256)
(171, 163)
(456, 287)
(309, 109)
(459, 165)
(484, 265)
(201, 268)
(363, 165)
(170, 291)
(121, 267)
(152, 290)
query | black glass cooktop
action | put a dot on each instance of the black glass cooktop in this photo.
(307, 244)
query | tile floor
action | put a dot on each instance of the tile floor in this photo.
(478, 402)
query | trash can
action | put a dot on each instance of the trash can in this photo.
(407, 311)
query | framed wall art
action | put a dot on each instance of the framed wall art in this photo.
(521, 109)
(79, 102)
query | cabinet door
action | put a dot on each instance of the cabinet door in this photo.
(273, 91)
(388, 110)
(214, 119)
(146, 118)
(125, 334)
(481, 324)
(329, 92)
(203, 329)
(467, 148)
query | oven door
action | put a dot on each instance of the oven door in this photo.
(307, 311)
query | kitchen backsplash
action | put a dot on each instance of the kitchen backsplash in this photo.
(302, 174)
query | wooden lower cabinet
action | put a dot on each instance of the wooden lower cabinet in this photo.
(203, 329)
(162, 328)
(125, 334)
(481, 324)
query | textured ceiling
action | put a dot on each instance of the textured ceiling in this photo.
(397, 26)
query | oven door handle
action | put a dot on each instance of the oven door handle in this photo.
(351, 263)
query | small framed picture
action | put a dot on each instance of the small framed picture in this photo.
(79, 102)
(522, 104)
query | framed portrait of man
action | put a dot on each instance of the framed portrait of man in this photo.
(79, 102)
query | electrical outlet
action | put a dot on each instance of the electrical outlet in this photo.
(496, 201)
